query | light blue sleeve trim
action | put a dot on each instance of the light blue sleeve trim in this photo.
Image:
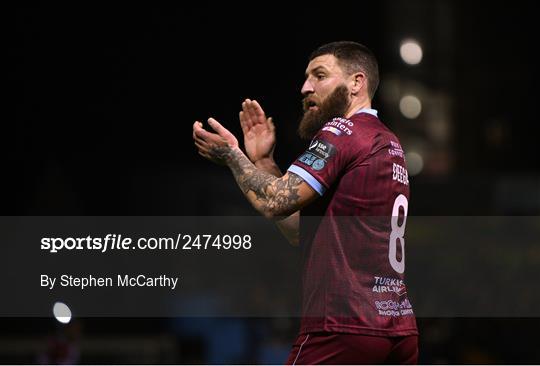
(308, 178)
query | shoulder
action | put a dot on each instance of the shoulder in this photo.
(362, 132)
(356, 126)
(358, 130)
(368, 124)
(372, 129)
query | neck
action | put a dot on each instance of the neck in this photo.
(358, 104)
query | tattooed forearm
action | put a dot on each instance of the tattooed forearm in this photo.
(224, 153)
(272, 195)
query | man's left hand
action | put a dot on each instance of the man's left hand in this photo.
(216, 147)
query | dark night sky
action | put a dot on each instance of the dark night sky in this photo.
(102, 98)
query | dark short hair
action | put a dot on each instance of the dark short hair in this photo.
(353, 57)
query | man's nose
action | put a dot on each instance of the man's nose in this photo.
(307, 88)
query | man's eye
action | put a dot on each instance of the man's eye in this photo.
(320, 76)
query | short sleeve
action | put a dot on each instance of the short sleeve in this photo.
(331, 152)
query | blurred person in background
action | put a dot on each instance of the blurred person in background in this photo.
(62, 348)
(345, 200)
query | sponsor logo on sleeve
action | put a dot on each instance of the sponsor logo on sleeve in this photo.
(322, 149)
(318, 164)
(307, 158)
(317, 154)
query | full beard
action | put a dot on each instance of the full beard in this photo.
(335, 105)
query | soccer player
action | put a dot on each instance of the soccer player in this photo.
(345, 199)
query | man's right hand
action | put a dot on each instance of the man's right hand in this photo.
(259, 132)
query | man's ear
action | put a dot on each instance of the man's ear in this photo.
(358, 82)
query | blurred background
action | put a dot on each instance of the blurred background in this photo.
(100, 101)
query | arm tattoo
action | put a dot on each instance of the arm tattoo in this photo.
(222, 152)
(274, 194)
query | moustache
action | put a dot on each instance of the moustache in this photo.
(308, 102)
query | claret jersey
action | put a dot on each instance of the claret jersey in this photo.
(353, 237)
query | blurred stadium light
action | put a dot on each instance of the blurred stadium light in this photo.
(410, 106)
(415, 163)
(411, 52)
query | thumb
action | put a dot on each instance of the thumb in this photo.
(222, 131)
(270, 123)
(216, 126)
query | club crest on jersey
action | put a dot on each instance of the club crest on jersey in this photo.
(318, 164)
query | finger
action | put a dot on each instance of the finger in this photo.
(202, 150)
(252, 113)
(243, 123)
(204, 155)
(201, 142)
(197, 125)
(199, 132)
(259, 112)
(201, 147)
(246, 114)
(270, 124)
(206, 136)
(216, 126)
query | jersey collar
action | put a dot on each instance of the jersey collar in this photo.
(371, 111)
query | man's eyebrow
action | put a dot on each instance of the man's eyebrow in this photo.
(317, 69)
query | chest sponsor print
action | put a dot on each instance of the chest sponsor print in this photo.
(339, 126)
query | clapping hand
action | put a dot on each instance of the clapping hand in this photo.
(259, 131)
(216, 147)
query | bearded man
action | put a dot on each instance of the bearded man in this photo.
(353, 180)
